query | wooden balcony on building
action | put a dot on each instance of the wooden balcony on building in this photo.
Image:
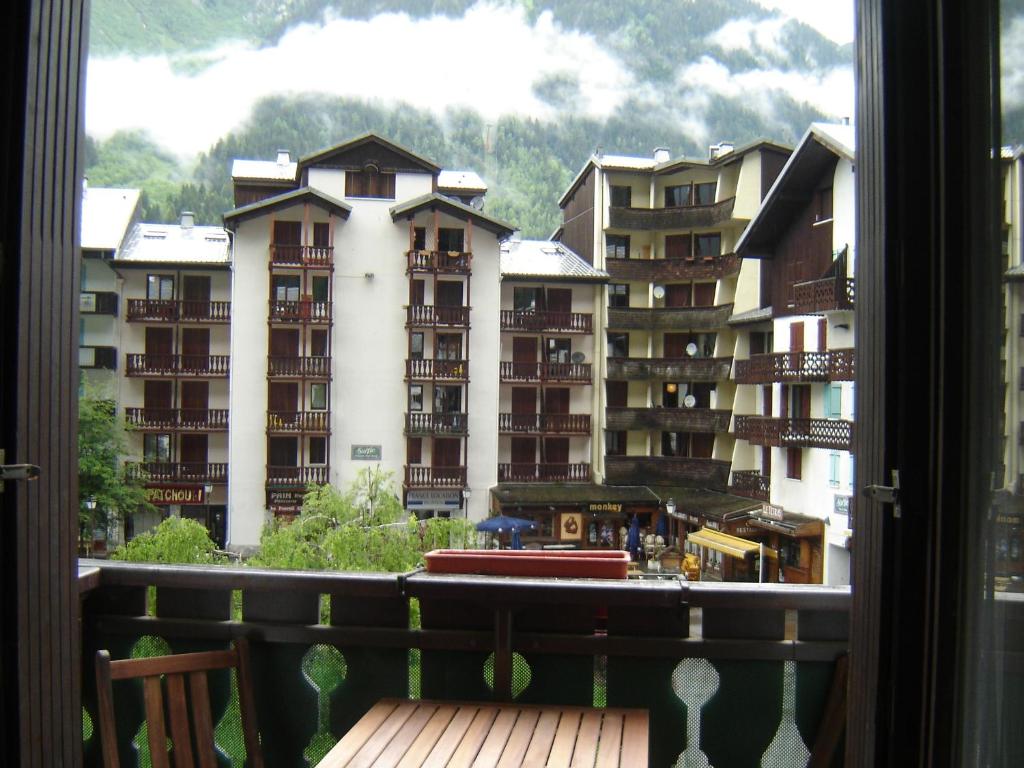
(177, 419)
(302, 256)
(299, 367)
(831, 365)
(561, 373)
(417, 476)
(427, 424)
(444, 262)
(836, 434)
(669, 319)
(679, 217)
(199, 366)
(750, 483)
(541, 322)
(295, 477)
(817, 296)
(302, 311)
(668, 419)
(543, 473)
(97, 303)
(670, 270)
(178, 472)
(666, 470)
(701, 369)
(427, 369)
(306, 422)
(103, 358)
(431, 316)
(544, 423)
(178, 311)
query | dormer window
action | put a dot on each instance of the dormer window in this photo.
(370, 182)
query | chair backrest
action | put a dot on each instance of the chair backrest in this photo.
(192, 741)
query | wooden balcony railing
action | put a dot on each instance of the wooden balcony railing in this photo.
(183, 419)
(703, 369)
(668, 419)
(836, 434)
(544, 423)
(666, 270)
(295, 477)
(450, 262)
(750, 483)
(315, 677)
(436, 423)
(543, 473)
(299, 367)
(302, 311)
(316, 422)
(434, 477)
(173, 311)
(566, 373)
(667, 470)
(430, 316)
(302, 256)
(669, 319)
(816, 296)
(178, 472)
(681, 217)
(537, 322)
(437, 370)
(831, 365)
(203, 366)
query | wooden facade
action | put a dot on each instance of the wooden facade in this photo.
(578, 217)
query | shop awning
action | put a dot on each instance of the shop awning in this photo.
(727, 544)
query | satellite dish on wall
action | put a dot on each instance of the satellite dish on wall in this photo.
(691, 349)
(477, 202)
(659, 291)
(689, 401)
(578, 357)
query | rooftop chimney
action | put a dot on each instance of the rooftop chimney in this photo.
(188, 219)
(661, 154)
(720, 149)
(283, 157)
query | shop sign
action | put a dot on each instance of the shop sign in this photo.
(570, 526)
(175, 494)
(87, 302)
(772, 511)
(1009, 519)
(605, 506)
(432, 499)
(841, 505)
(285, 498)
(746, 530)
(366, 453)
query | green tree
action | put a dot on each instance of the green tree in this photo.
(175, 540)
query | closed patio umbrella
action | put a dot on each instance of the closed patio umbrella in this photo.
(633, 539)
(517, 543)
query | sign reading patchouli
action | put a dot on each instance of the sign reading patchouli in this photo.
(366, 453)
(175, 494)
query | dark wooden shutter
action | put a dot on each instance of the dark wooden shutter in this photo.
(414, 450)
(284, 451)
(321, 234)
(678, 247)
(524, 450)
(283, 396)
(796, 336)
(675, 344)
(704, 295)
(159, 341)
(284, 342)
(767, 390)
(194, 450)
(287, 233)
(524, 349)
(559, 300)
(822, 334)
(556, 400)
(524, 400)
(556, 450)
(417, 293)
(446, 452)
(678, 295)
(618, 392)
(195, 287)
(702, 445)
(449, 293)
(195, 395)
(784, 402)
(195, 342)
(158, 394)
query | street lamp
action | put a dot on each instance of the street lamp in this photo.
(670, 509)
(90, 504)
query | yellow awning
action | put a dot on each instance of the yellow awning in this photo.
(728, 544)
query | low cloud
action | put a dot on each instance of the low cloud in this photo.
(747, 34)
(1011, 49)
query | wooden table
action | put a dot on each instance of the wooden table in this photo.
(405, 733)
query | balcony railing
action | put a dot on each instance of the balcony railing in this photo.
(314, 422)
(430, 316)
(98, 303)
(436, 424)
(302, 256)
(183, 419)
(725, 656)
(816, 296)
(543, 473)
(703, 369)
(669, 319)
(836, 434)
(682, 217)
(666, 470)
(178, 472)
(436, 370)
(295, 477)
(203, 366)
(668, 419)
(832, 365)
(302, 311)
(450, 262)
(666, 270)
(537, 322)
(98, 357)
(564, 373)
(434, 477)
(544, 423)
(173, 311)
(750, 483)
(299, 367)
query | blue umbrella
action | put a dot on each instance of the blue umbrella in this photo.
(662, 529)
(517, 543)
(502, 523)
(633, 539)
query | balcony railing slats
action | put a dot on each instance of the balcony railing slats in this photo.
(434, 477)
(658, 270)
(299, 421)
(451, 262)
(436, 423)
(203, 366)
(704, 420)
(544, 423)
(669, 318)
(299, 367)
(676, 217)
(174, 310)
(836, 434)
(544, 473)
(537, 322)
(701, 369)
(832, 293)
(301, 311)
(667, 470)
(198, 419)
(750, 483)
(427, 369)
(430, 315)
(568, 373)
(295, 477)
(831, 365)
(302, 256)
(178, 472)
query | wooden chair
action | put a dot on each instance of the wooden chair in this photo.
(192, 746)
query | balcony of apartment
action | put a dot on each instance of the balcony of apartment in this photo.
(669, 270)
(302, 256)
(836, 434)
(299, 367)
(544, 423)
(555, 373)
(699, 369)
(705, 420)
(215, 473)
(101, 358)
(295, 476)
(750, 483)
(199, 366)
(541, 322)
(418, 476)
(669, 318)
(668, 646)
(428, 369)
(441, 262)
(827, 295)
(428, 424)
(302, 311)
(679, 217)
(178, 311)
(544, 473)
(305, 422)
(831, 365)
(666, 470)
(97, 303)
(177, 419)
(431, 316)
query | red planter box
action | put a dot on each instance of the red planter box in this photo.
(527, 562)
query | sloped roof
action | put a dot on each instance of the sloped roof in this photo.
(546, 260)
(460, 181)
(175, 244)
(107, 214)
(263, 170)
(367, 138)
(454, 208)
(294, 197)
(751, 316)
(571, 493)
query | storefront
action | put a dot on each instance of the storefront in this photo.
(725, 557)
(799, 540)
(426, 504)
